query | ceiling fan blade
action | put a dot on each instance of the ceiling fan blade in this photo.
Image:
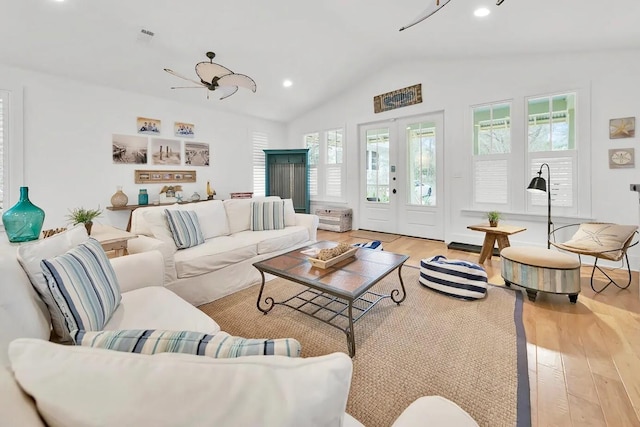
(227, 91)
(188, 87)
(183, 77)
(208, 70)
(238, 80)
(435, 6)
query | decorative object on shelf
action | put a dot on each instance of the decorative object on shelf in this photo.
(398, 98)
(196, 154)
(119, 199)
(195, 197)
(245, 195)
(179, 196)
(216, 77)
(539, 185)
(129, 149)
(170, 192)
(143, 197)
(210, 191)
(148, 126)
(494, 218)
(164, 176)
(84, 216)
(622, 128)
(622, 158)
(23, 221)
(184, 130)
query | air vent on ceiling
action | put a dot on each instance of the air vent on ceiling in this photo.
(145, 35)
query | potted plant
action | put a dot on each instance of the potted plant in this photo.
(84, 216)
(493, 217)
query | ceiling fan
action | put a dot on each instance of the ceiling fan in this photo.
(433, 8)
(216, 77)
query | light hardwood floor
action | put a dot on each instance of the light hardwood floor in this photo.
(584, 359)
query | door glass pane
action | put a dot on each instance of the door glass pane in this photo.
(377, 164)
(421, 142)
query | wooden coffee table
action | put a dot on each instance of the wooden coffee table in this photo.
(332, 291)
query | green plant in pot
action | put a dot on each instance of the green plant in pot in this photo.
(84, 216)
(493, 217)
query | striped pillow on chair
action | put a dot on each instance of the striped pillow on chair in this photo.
(267, 215)
(220, 345)
(185, 228)
(83, 285)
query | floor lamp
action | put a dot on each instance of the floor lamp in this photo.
(537, 185)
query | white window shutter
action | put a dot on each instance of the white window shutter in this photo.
(562, 185)
(313, 180)
(491, 181)
(260, 142)
(334, 181)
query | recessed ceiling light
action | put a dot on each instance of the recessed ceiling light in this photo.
(59, 1)
(287, 83)
(480, 12)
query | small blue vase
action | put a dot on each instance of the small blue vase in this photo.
(143, 197)
(23, 222)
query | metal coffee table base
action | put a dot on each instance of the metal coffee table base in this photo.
(317, 302)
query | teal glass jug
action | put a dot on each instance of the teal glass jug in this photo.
(23, 222)
(143, 197)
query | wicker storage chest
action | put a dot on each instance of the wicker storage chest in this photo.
(334, 219)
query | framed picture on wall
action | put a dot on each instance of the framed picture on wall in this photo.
(622, 158)
(148, 126)
(165, 151)
(196, 154)
(129, 149)
(622, 128)
(183, 130)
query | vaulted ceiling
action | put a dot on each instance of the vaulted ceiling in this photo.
(324, 47)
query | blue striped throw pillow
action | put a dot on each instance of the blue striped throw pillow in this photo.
(267, 215)
(83, 284)
(185, 228)
(456, 278)
(220, 345)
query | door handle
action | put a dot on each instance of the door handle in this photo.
(394, 191)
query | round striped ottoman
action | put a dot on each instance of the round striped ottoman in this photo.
(453, 277)
(541, 270)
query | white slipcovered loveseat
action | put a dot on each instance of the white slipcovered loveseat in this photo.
(223, 263)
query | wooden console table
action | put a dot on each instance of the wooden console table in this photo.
(132, 208)
(111, 238)
(500, 234)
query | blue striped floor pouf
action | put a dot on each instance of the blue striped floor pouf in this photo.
(376, 245)
(453, 277)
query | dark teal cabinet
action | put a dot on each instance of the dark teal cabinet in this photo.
(288, 176)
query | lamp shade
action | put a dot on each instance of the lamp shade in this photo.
(537, 184)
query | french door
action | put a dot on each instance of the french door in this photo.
(402, 176)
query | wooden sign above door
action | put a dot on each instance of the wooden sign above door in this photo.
(398, 98)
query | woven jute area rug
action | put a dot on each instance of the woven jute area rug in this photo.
(471, 352)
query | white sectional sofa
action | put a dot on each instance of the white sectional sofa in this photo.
(223, 264)
(83, 386)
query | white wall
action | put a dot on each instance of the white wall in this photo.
(67, 144)
(453, 86)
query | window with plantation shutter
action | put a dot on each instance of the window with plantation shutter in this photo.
(326, 164)
(312, 142)
(551, 130)
(491, 155)
(260, 142)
